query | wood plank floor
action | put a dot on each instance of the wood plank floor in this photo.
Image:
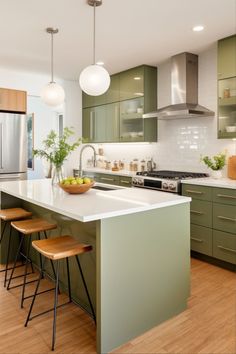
(208, 325)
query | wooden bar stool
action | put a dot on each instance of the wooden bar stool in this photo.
(7, 216)
(56, 249)
(27, 228)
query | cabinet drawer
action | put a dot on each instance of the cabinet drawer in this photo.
(224, 217)
(224, 246)
(109, 179)
(125, 181)
(201, 239)
(201, 212)
(224, 196)
(197, 192)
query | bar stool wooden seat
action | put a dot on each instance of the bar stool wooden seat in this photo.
(7, 216)
(26, 228)
(56, 249)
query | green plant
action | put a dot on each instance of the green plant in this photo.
(216, 163)
(57, 148)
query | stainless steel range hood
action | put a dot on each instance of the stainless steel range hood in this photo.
(184, 90)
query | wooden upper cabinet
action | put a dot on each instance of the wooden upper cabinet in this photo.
(227, 57)
(13, 100)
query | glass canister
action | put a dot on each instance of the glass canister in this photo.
(131, 166)
(135, 165)
(143, 165)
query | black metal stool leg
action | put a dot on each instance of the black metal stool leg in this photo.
(68, 278)
(14, 265)
(40, 256)
(26, 266)
(85, 286)
(52, 265)
(8, 254)
(35, 294)
(3, 230)
(55, 305)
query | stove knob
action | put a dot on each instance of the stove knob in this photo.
(164, 185)
(140, 181)
(172, 187)
(135, 181)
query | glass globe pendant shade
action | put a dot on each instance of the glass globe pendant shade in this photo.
(94, 80)
(53, 94)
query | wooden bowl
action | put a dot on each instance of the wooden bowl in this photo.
(76, 188)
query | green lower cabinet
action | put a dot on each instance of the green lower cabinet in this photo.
(201, 212)
(224, 217)
(224, 246)
(201, 239)
(125, 181)
(213, 221)
(197, 192)
(224, 196)
(108, 178)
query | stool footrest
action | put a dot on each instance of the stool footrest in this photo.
(18, 266)
(41, 292)
(52, 309)
(17, 286)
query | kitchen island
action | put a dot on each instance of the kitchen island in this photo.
(139, 271)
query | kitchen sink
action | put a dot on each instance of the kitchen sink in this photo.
(103, 188)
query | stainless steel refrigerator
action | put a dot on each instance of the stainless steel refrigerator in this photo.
(13, 146)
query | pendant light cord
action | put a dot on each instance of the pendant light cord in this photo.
(94, 31)
(52, 73)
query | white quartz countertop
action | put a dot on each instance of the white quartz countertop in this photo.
(212, 182)
(92, 205)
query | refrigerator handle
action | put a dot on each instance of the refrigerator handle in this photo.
(1, 146)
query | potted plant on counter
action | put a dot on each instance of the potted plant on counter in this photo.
(215, 163)
(56, 149)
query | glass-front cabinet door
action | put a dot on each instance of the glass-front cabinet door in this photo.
(131, 121)
(227, 108)
(227, 87)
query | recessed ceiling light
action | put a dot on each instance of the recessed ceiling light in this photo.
(100, 63)
(137, 78)
(198, 28)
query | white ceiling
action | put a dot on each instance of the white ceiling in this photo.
(129, 32)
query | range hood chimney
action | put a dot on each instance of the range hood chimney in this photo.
(184, 90)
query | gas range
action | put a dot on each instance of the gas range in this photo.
(168, 181)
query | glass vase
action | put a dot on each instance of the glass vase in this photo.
(57, 175)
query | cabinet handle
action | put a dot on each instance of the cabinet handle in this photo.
(196, 239)
(107, 179)
(226, 196)
(196, 212)
(193, 192)
(227, 249)
(126, 182)
(225, 218)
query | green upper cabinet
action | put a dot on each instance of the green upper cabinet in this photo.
(101, 123)
(132, 83)
(227, 87)
(227, 57)
(112, 94)
(116, 116)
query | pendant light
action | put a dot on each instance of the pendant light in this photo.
(94, 79)
(52, 94)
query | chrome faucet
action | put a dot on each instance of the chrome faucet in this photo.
(80, 157)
